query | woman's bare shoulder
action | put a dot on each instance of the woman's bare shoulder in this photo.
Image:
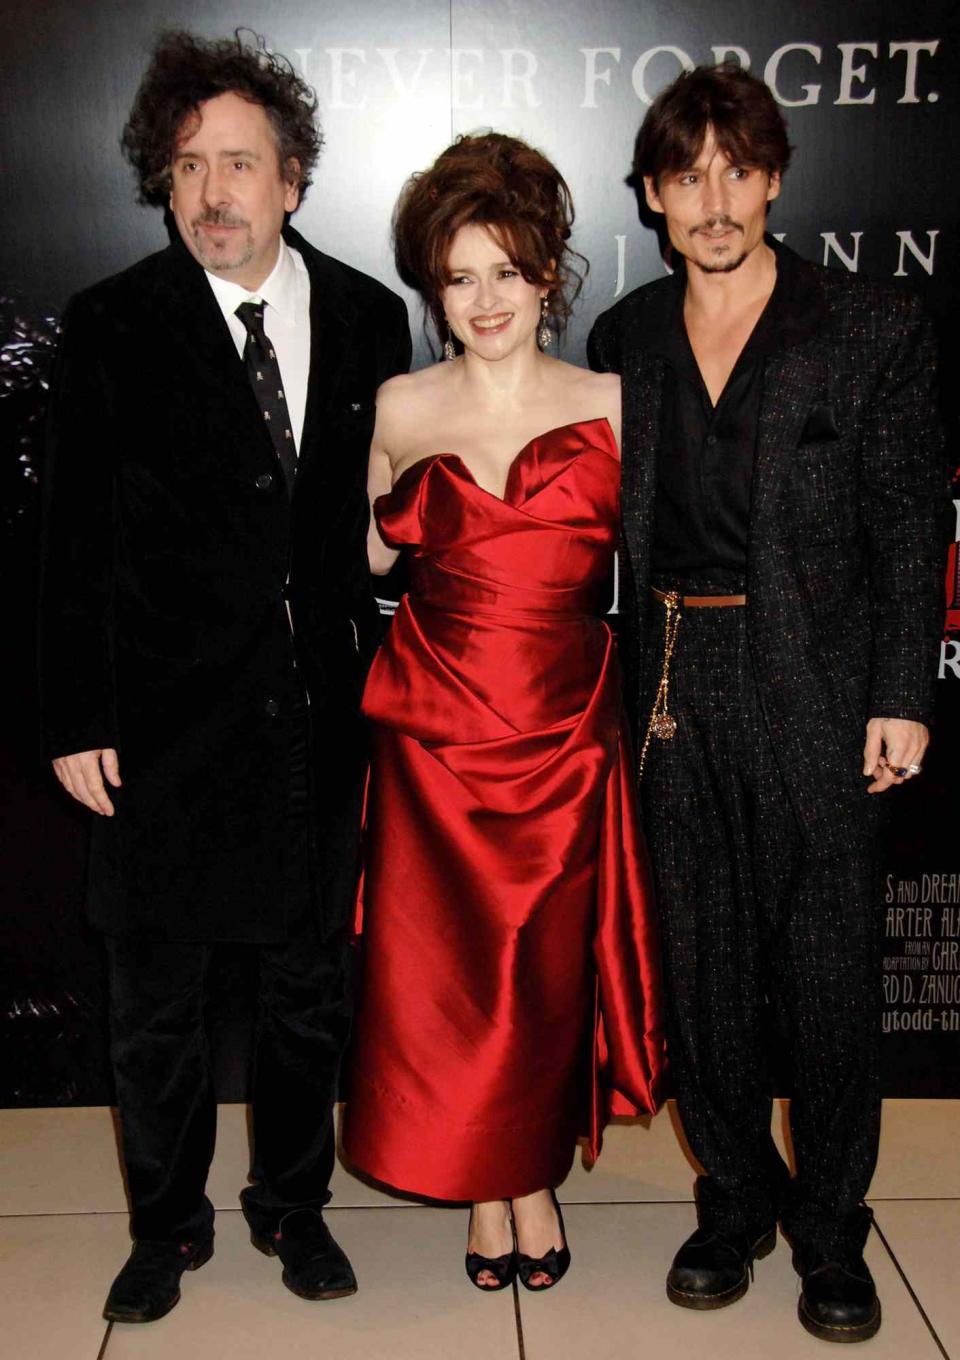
(409, 392)
(410, 385)
(586, 395)
(405, 404)
(593, 394)
(604, 387)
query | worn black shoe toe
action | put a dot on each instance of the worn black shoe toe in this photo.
(314, 1265)
(838, 1301)
(713, 1269)
(148, 1286)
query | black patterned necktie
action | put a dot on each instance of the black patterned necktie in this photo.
(264, 374)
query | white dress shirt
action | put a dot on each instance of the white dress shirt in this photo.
(286, 320)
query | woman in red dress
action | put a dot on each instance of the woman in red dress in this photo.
(509, 999)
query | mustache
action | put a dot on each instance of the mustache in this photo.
(711, 224)
(219, 217)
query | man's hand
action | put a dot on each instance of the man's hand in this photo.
(892, 744)
(80, 776)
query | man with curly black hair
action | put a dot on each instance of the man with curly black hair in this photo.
(207, 616)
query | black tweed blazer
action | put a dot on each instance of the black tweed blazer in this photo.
(844, 560)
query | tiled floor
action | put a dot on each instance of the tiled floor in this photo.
(63, 1236)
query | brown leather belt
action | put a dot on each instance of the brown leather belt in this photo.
(700, 601)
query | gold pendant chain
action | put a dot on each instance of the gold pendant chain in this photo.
(663, 724)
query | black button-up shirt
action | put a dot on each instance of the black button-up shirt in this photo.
(706, 454)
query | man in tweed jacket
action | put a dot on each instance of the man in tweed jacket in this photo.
(781, 499)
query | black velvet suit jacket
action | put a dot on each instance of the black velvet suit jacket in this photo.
(844, 558)
(168, 541)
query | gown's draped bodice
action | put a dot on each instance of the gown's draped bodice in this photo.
(502, 609)
(551, 533)
(510, 995)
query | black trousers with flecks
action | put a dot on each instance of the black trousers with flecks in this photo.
(761, 930)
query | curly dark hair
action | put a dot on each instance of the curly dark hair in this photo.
(748, 125)
(185, 71)
(499, 182)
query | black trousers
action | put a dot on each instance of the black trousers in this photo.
(164, 1085)
(760, 927)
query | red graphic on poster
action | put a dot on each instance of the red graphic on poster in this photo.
(952, 621)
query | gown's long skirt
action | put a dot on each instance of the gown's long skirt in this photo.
(510, 998)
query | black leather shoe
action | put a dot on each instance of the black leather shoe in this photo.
(713, 1269)
(314, 1266)
(838, 1301)
(148, 1286)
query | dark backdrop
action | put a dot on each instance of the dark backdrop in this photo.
(870, 92)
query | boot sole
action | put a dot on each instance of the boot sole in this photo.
(313, 1295)
(861, 1331)
(153, 1314)
(708, 1302)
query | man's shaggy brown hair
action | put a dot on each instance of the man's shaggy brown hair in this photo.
(185, 71)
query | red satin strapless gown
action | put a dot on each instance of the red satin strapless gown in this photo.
(510, 996)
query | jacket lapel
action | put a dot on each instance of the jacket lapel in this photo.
(193, 323)
(332, 318)
(643, 390)
(795, 379)
(191, 314)
(190, 311)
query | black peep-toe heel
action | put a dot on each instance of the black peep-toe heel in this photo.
(503, 1267)
(554, 1264)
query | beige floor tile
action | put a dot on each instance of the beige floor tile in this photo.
(59, 1161)
(612, 1305)
(918, 1141)
(918, 1150)
(641, 1160)
(231, 1158)
(414, 1301)
(650, 1162)
(924, 1235)
(54, 1277)
(65, 1160)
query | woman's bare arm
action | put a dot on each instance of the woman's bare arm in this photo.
(379, 482)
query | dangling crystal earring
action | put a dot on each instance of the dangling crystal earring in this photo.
(449, 352)
(544, 334)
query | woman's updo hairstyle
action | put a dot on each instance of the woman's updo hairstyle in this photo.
(497, 182)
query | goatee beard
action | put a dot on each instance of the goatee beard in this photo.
(721, 220)
(726, 268)
(214, 261)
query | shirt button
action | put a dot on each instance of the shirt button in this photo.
(264, 481)
(271, 708)
(711, 440)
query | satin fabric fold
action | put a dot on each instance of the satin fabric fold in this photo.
(510, 997)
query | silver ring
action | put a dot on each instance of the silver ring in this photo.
(914, 769)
